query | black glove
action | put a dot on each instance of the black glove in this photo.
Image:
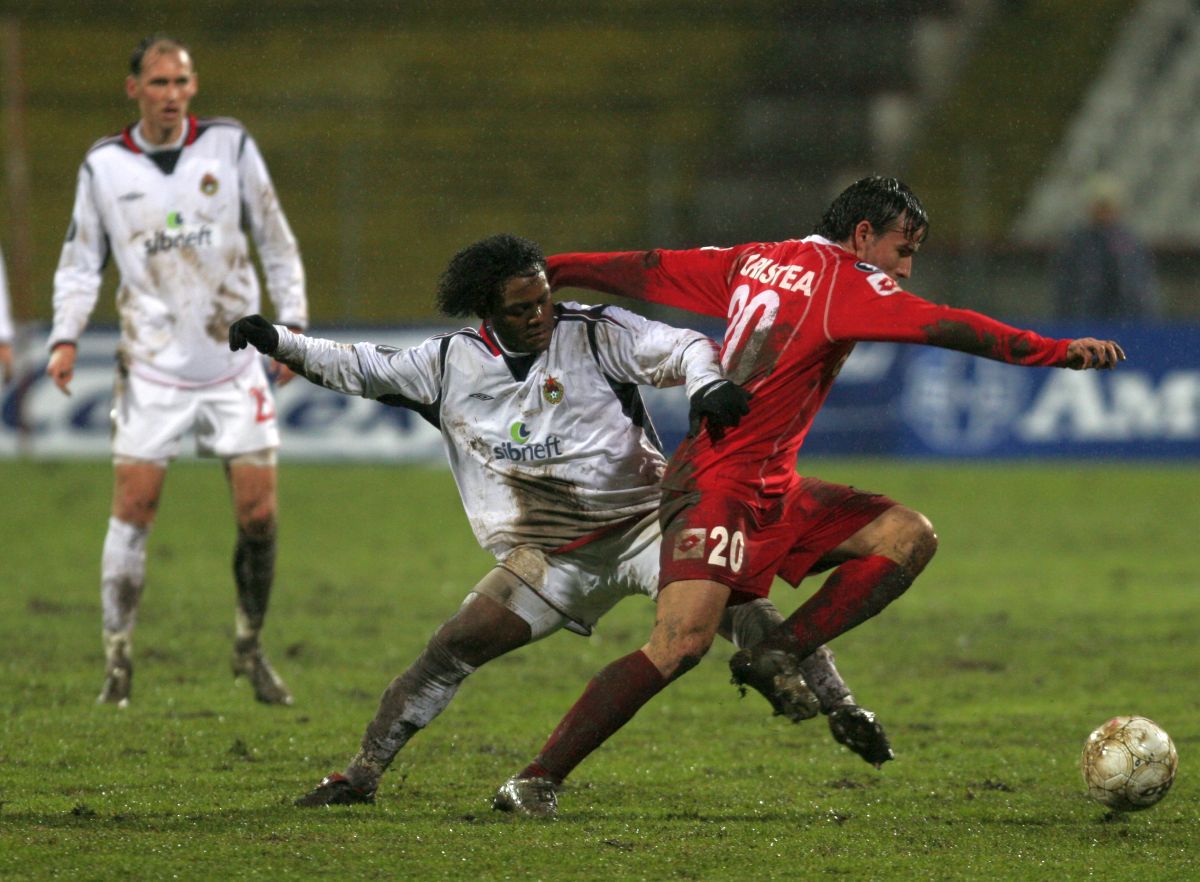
(722, 404)
(255, 330)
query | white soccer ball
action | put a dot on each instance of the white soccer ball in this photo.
(1128, 763)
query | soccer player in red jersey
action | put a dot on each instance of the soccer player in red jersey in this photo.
(734, 512)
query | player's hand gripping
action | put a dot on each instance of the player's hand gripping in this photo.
(255, 331)
(721, 405)
(1090, 353)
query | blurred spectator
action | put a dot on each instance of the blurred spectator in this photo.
(1103, 269)
(6, 328)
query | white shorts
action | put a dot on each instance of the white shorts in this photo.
(575, 589)
(228, 419)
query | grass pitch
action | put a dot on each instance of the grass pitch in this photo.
(1062, 595)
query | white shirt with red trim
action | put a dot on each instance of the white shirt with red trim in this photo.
(174, 221)
(544, 449)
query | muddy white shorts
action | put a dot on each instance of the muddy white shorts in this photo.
(575, 588)
(229, 418)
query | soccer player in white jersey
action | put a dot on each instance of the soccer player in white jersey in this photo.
(558, 467)
(6, 327)
(170, 199)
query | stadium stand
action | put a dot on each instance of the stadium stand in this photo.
(1140, 122)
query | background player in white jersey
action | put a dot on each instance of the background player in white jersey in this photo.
(167, 199)
(556, 462)
(6, 327)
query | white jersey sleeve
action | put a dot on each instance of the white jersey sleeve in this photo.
(6, 324)
(77, 280)
(277, 248)
(365, 369)
(634, 349)
(545, 449)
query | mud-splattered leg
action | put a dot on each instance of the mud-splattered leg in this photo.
(122, 579)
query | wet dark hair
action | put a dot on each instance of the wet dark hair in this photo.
(876, 199)
(473, 282)
(158, 40)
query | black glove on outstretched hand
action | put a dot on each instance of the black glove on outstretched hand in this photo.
(256, 331)
(721, 404)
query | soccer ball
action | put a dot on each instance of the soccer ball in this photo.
(1128, 763)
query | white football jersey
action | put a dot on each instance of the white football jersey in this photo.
(173, 220)
(545, 449)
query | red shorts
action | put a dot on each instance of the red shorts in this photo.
(726, 533)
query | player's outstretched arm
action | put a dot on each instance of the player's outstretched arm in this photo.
(1089, 353)
(256, 331)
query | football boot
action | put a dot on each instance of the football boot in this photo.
(530, 797)
(776, 676)
(336, 789)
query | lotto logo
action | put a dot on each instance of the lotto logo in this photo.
(883, 284)
(689, 545)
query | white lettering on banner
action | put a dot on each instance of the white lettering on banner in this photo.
(1072, 406)
(40, 421)
(937, 402)
(959, 404)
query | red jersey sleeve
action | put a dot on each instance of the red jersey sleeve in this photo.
(696, 280)
(870, 306)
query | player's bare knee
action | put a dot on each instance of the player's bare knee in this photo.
(911, 539)
(257, 522)
(481, 631)
(135, 509)
(923, 542)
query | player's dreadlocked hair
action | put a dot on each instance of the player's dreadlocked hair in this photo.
(876, 199)
(474, 280)
(161, 41)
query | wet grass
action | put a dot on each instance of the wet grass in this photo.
(1061, 595)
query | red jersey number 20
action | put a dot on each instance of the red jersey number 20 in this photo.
(750, 320)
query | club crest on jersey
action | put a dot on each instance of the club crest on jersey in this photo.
(209, 185)
(689, 545)
(552, 391)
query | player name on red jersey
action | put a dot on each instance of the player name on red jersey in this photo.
(787, 277)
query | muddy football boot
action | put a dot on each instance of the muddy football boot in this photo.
(249, 662)
(857, 728)
(335, 789)
(530, 797)
(118, 681)
(776, 675)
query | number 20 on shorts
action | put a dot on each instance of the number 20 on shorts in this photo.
(720, 547)
(728, 550)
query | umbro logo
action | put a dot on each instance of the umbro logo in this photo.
(481, 396)
(130, 197)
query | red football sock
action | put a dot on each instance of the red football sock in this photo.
(855, 591)
(609, 702)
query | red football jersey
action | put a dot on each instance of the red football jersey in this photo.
(793, 311)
